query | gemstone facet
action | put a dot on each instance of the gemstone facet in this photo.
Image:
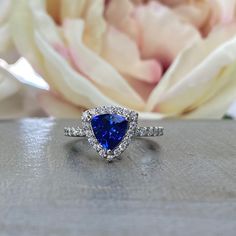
(109, 129)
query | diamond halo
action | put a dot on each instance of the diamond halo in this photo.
(130, 116)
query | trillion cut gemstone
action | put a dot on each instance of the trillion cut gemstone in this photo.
(109, 129)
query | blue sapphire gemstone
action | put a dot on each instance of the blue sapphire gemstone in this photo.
(109, 129)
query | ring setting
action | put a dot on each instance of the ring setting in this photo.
(110, 130)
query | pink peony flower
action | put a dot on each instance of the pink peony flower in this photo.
(162, 58)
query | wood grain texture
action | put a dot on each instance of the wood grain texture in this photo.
(183, 183)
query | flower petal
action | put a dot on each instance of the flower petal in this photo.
(95, 25)
(120, 14)
(8, 84)
(197, 13)
(71, 8)
(217, 106)
(99, 71)
(223, 11)
(197, 75)
(74, 87)
(56, 107)
(36, 43)
(5, 7)
(123, 54)
(7, 49)
(158, 24)
(22, 30)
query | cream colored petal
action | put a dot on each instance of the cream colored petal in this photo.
(22, 30)
(138, 1)
(173, 3)
(120, 14)
(122, 52)
(27, 17)
(59, 74)
(43, 23)
(191, 58)
(95, 25)
(53, 8)
(163, 33)
(223, 11)
(197, 14)
(72, 8)
(95, 68)
(5, 8)
(194, 77)
(73, 86)
(7, 49)
(58, 108)
(47, 28)
(8, 84)
(31, 42)
(218, 105)
(151, 116)
(90, 11)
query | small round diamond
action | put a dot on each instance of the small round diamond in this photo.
(113, 110)
(92, 112)
(86, 126)
(134, 116)
(123, 145)
(89, 133)
(156, 131)
(117, 152)
(132, 125)
(160, 131)
(142, 131)
(102, 153)
(86, 116)
(150, 131)
(92, 141)
(130, 133)
(126, 112)
(81, 132)
(97, 147)
(110, 158)
(98, 110)
(119, 110)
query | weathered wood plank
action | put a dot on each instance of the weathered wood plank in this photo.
(183, 183)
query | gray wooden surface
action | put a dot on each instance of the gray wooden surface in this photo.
(181, 184)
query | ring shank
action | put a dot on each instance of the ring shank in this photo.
(148, 131)
(74, 132)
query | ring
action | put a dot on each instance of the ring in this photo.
(110, 129)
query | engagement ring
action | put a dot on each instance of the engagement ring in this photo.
(110, 129)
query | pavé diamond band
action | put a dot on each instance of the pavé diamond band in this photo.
(110, 129)
(149, 131)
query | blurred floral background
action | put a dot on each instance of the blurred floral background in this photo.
(166, 58)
